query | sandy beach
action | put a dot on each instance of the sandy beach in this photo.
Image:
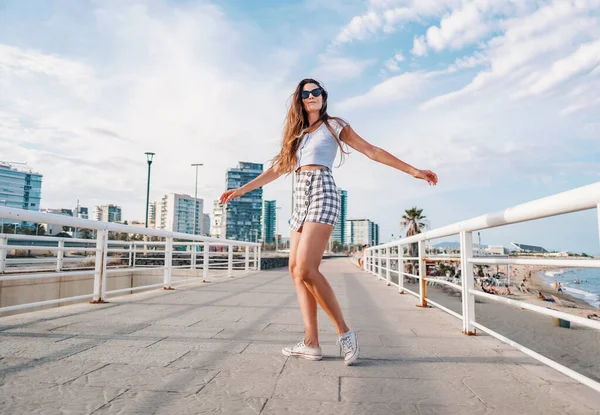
(530, 276)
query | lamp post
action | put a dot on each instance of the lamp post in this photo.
(196, 165)
(149, 157)
(277, 228)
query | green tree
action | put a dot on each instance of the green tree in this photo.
(414, 222)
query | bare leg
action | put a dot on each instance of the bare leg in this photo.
(307, 302)
(307, 259)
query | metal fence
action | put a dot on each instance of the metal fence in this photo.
(102, 257)
(379, 260)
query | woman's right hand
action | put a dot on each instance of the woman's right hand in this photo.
(230, 195)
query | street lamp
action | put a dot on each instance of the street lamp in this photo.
(149, 157)
(196, 165)
(277, 229)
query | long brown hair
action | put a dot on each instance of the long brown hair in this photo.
(296, 125)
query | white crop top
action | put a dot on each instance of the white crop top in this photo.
(320, 147)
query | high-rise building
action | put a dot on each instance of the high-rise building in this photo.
(20, 187)
(107, 213)
(268, 221)
(339, 231)
(241, 219)
(217, 226)
(81, 212)
(177, 213)
(152, 212)
(362, 232)
(205, 224)
(374, 234)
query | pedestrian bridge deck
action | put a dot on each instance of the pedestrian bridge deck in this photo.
(215, 348)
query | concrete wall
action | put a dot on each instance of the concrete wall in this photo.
(35, 290)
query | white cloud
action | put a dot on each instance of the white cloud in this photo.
(462, 27)
(392, 63)
(360, 27)
(520, 55)
(419, 46)
(397, 88)
(585, 58)
(338, 69)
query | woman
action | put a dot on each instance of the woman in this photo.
(310, 142)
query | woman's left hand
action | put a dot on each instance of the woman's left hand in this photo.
(427, 175)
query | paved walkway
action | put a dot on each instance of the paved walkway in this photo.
(215, 348)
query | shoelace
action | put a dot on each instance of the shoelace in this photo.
(300, 345)
(345, 345)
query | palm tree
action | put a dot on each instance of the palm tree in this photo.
(414, 222)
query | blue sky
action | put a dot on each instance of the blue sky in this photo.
(499, 97)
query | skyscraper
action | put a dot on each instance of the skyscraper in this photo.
(175, 213)
(362, 232)
(339, 231)
(107, 213)
(268, 221)
(20, 188)
(217, 226)
(242, 217)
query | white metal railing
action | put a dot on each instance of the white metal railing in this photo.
(112, 257)
(580, 199)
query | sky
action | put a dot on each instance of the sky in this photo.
(499, 97)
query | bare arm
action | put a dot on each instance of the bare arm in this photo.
(266, 177)
(349, 136)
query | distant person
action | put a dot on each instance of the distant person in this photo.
(309, 147)
(362, 256)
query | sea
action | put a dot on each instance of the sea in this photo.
(588, 288)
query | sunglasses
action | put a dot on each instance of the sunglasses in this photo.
(315, 93)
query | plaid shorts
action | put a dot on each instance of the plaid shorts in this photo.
(316, 199)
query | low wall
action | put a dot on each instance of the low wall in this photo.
(34, 289)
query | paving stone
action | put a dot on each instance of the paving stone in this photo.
(234, 363)
(310, 388)
(28, 374)
(143, 356)
(302, 407)
(236, 384)
(62, 399)
(37, 348)
(139, 377)
(414, 391)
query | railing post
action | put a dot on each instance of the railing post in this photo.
(387, 265)
(247, 259)
(100, 266)
(168, 263)
(205, 260)
(3, 252)
(130, 253)
(193, 260)
(259, 251)
(400, 269)
(134, 254)
(379, 262)
(422, 275)
(468, 299)
(229, 260)
(60, 255)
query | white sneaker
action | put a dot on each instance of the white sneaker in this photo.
(303, 351)
(349, 347)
